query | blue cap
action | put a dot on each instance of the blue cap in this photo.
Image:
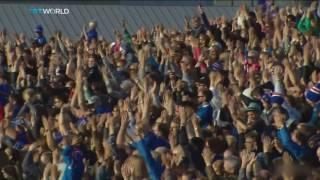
(38, 29)
(276, 98)
(266, 97)
(313, 94)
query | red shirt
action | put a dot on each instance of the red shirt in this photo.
(1, 112)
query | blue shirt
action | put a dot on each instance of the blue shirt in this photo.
(293, 148)
(4, 88)
(92, 34)
(41, 40)
(154, 167)
(152, 141)
(73, 157)
(205, 115)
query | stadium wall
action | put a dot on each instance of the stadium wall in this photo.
(70, 16)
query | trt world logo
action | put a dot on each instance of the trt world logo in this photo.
(50, 11)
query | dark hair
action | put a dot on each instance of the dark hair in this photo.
(188, 104)
(198, 142)
(301, 137)
(27, 51)
(164, 130)
(207, 94)
(252, 134)
(217, 145)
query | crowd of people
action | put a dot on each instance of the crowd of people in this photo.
(221, 99)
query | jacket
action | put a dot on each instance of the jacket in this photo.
(155, 168)
(296, 150)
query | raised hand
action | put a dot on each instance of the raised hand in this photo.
(287, 159)
(246, 157)
(267, 144)
(168, 102)
(200, 9)
(207, 156)
(186, 19)
(277, 144)
(183, 116)
(124, 119)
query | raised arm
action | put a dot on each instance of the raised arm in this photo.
(47, 123)
(204, 17)
(155, 168)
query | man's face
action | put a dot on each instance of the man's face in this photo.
(201, 97)
(57, 103)
(294, 137)
(133, 70)
(156, 128)
(91, 62)
(201, 87)
(184, 63)
(250, 143)
(174, 128)
(252, 116)
(279, 119)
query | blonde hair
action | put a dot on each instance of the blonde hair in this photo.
(134, 166)
(28, 94)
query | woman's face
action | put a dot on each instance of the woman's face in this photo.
(202, 41)
(213, 53)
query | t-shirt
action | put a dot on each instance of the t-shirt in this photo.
(41, 40)
(73, 157)
(205, 115)
(92, 34)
